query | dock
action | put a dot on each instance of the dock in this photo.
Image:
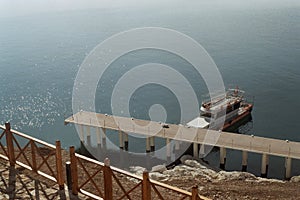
(225, 140)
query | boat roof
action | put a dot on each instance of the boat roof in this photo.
(232, 95)
(224, 102)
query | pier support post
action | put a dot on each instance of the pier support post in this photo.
(264, 166)
(202, 150)
(88, 135)
(195, 150)
(168, 150)
(288, 168)
(126, 141)
(152, 144)
(121, 142)
(225, 155)
(81, 133)
(148, 145)
(103, 137)
(244, 161)
(177, 145)
(98, 133)
(222, 157)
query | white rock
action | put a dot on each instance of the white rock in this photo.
(186, 157)
(159, 168)
(223, 175)
(259, 179)
(32, 193)
(295, 179)
(137, 170)
(5, 196)
(157, 176)
(193, 163)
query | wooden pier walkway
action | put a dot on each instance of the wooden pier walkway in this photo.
(245, 143)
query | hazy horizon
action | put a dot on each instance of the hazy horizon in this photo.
(13, 8)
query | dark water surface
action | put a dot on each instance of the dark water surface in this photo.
(256, 47)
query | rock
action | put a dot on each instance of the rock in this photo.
(157, 176)
(295, 179)
(259, 179)
(223, 175)
(186, 157)
(32, 193)
(200, 188)
(159, 168)
(50, 191)
(194, 163)
(5, 196)
(137, 170)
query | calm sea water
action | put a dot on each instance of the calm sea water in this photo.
(256, 48)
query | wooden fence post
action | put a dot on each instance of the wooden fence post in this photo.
(195, 195)
(33, 156)
(59, 168)
(107, 173)
(146, 186)
(10, 145)
(74, 173)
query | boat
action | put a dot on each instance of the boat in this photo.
(223, 112)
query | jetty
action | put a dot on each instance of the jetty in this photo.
(150, 129)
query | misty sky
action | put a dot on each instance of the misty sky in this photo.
(11, 8)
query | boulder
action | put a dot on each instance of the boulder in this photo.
(157, 176)
(223, 175)
(186, 157)
(295, 179)
(137, 170)
(159, 168)
(194, 163)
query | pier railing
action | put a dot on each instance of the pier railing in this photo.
(89, 177)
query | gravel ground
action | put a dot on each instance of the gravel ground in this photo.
(19, 183)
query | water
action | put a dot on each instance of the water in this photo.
(254, 46)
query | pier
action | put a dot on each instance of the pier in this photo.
(225, 140)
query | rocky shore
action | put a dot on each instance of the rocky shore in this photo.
(218, 184)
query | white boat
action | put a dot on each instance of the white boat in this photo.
(230, 109)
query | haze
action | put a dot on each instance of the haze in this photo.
(11, 8)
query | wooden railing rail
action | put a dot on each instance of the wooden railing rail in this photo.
(34, 155)
(97, 180)
(104, 179)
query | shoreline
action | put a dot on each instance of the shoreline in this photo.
(220, 184)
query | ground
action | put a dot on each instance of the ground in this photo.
(242, 189)
(17, 182)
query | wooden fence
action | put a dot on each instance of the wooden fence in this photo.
(89, 177)
(33, 154)
(100, 180)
